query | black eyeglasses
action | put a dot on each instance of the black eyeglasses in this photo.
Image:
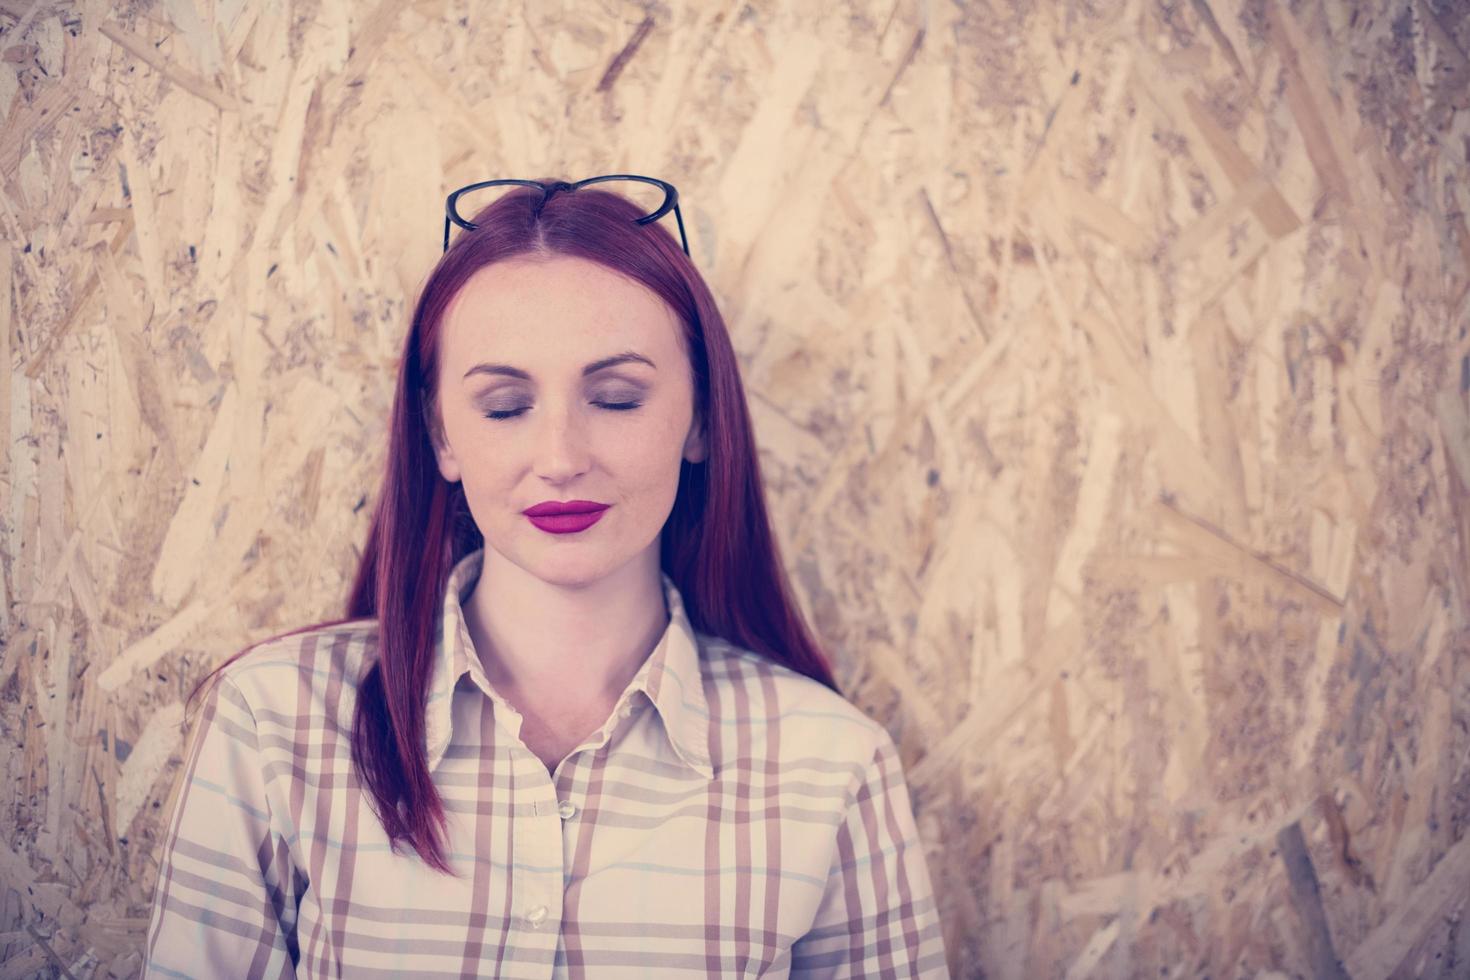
(671, 200)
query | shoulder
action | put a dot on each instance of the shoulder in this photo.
(770, 693)
(313, 669)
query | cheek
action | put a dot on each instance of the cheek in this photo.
(645, 466)
(484, 458)
(661, 450)
(654, 471)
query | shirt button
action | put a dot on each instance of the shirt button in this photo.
(536, 916)
(627, 711)
(566, 808)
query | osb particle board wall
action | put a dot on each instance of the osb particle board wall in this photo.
(1110, 368)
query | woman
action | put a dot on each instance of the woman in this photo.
(575, 725)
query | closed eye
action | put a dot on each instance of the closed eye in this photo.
(515, 412)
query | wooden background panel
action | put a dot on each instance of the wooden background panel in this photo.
(1108, 361)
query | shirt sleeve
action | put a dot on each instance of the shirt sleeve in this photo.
(878, 915)
(225, 901)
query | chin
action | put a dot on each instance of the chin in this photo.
(568, 580)
(567, 572)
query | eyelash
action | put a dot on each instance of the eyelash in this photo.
(610, 406)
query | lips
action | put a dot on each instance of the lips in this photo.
(568, 517)
(552, 508)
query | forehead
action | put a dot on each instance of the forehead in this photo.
(546, 310)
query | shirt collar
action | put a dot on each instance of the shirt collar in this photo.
(670, 677)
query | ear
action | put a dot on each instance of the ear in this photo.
(443, 455)
(695, 450)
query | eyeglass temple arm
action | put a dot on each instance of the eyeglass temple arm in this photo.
(683, 239)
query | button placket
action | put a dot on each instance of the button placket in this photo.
(537, 876)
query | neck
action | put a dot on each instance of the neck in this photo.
(571, 644)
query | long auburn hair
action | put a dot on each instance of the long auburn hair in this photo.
(716, 545)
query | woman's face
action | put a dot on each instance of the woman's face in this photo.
(561, 381)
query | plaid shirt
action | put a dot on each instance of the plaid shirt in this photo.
(731, 817)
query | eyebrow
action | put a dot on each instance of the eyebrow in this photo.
(625, 357)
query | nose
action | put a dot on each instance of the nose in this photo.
(561, 450)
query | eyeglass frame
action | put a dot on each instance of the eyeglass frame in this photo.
(671, 200)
